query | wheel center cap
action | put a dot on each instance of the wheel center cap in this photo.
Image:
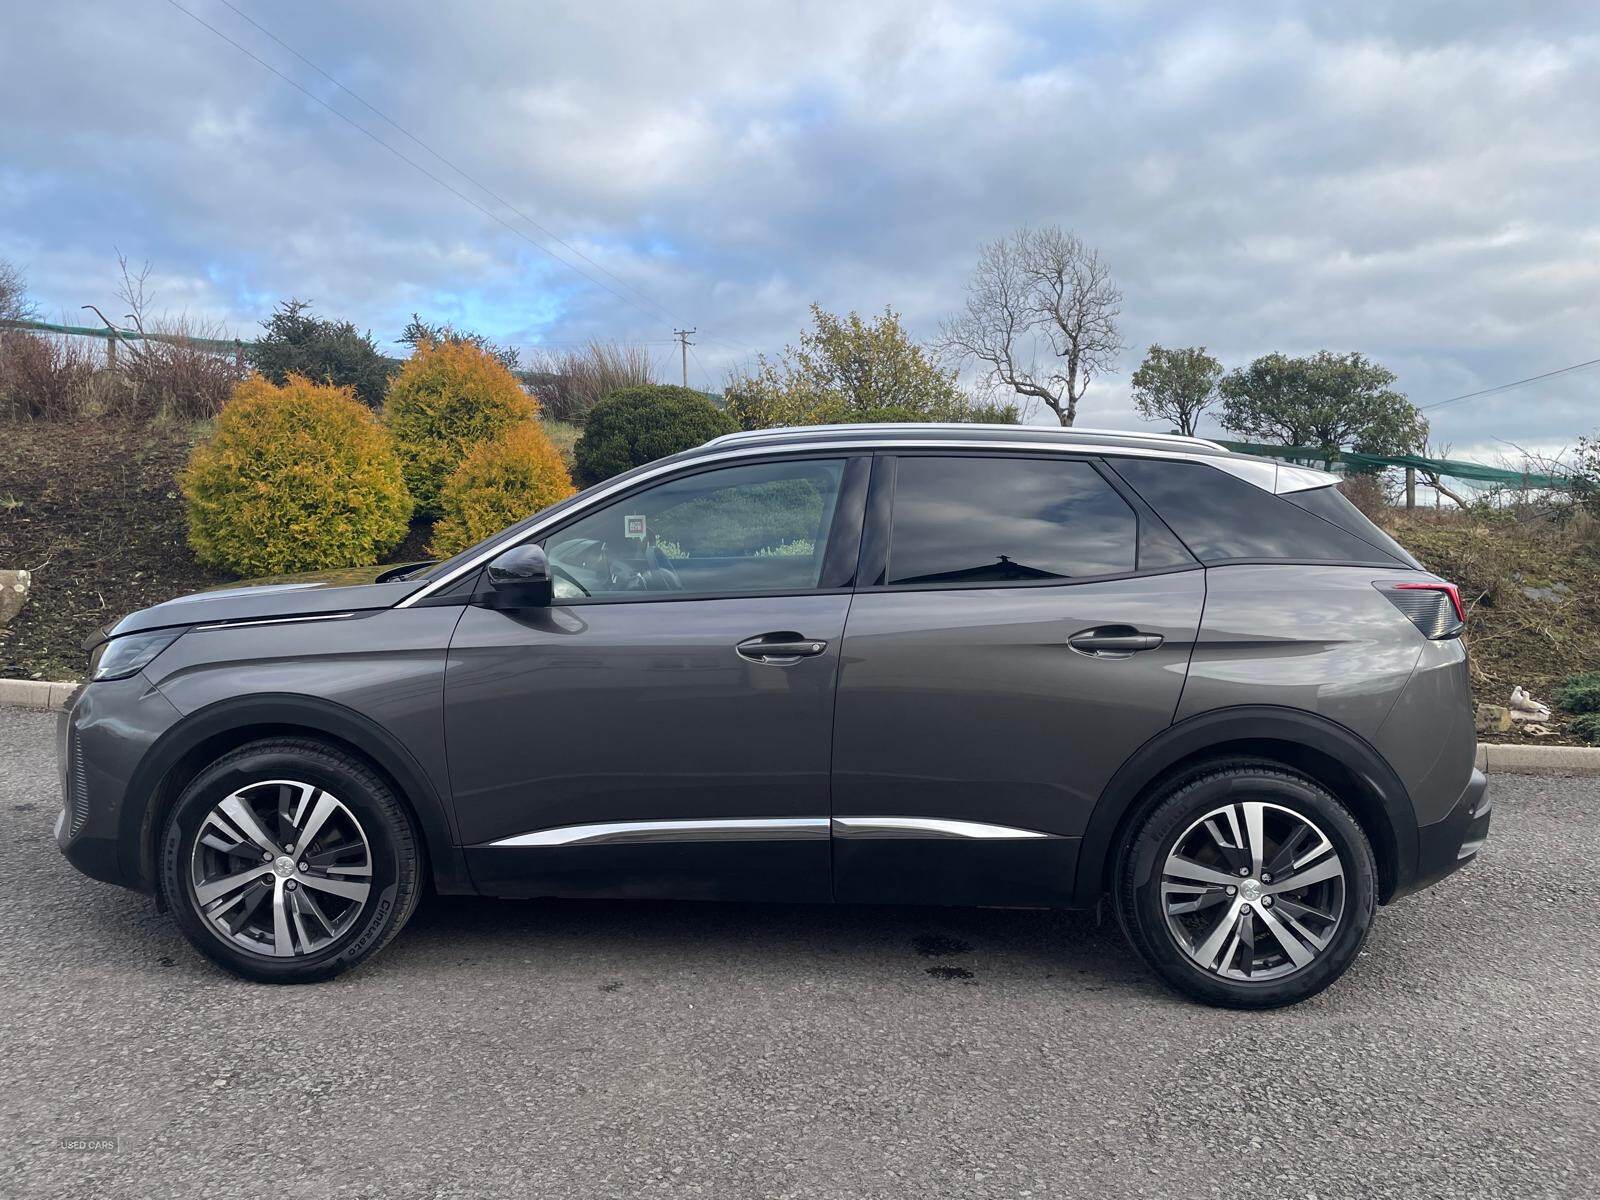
(1250, 890)
(283, 866)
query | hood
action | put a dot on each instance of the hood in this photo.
(348, 589)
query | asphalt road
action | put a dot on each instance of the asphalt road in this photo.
(575, 1050)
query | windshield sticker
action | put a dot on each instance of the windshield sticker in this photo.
(633, 527)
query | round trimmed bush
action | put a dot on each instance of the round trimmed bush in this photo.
(296, 478)
(448, 397)
(498, 483)
(636, 425)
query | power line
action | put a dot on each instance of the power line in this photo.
(702, 368)
(411, 162)
(485, 188)
(1506, 387)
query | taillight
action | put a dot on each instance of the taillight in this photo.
(1434, 608)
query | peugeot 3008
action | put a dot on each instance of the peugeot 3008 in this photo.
(926, 664)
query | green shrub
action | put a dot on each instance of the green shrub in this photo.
(1587, 727)
(500, 482)
(296, 478)
(636, 425)
(297, 343)
(1581, 693)
(449, 397)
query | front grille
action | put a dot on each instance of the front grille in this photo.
(77, 787)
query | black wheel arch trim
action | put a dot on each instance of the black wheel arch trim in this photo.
(274, 714)
(1386, 799)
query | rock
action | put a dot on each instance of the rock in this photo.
(1493, 718)
(13, 593)
(1555, 591)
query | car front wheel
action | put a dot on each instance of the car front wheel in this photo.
(289, 861)
(1247, 885)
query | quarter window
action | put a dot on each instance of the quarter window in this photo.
(1222, 518)
(761, 528)
(1006, 520)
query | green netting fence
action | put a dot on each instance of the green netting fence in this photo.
(1450, 468)
(218, 345)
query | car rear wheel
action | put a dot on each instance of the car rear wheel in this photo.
(288, 861)
(1247, 885)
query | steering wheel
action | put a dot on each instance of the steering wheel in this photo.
(661, 568)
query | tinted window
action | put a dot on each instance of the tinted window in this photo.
(1220, 517)
(1331, 504)
(991, 520)
(739, 529)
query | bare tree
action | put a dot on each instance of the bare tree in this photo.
(131, 289)
(1041, 318)
(14, 302)
(1433, 479)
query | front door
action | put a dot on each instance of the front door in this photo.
(664, 728)
(1023, 627)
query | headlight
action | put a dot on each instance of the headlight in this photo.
(129, 654)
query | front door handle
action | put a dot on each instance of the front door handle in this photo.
(1114, 641)
(780, 648)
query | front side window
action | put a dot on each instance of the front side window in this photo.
(1006, 520)
(736, 530)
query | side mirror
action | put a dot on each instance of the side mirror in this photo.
(520, 578)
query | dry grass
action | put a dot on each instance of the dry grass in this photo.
(45, 378)
(564, 434)
(179, 379)
(568, 384)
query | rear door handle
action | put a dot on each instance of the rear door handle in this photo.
(1113, 641)
(780, 648)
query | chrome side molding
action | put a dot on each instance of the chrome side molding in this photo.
(927, 827)
(768, 829)
(714, 830)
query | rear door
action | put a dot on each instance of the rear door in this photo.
(1022, 624)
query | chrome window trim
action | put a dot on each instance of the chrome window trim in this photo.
(1266, 475)
(772, 829)
(929, 827)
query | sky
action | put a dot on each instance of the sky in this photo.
(1416, 181)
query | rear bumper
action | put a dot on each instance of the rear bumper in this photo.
(1450, 844)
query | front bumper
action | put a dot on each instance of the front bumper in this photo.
(1450, 844)
(101, 739)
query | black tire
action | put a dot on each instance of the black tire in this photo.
(395, 856)
(1172, 812)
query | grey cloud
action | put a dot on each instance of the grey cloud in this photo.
(1414, 181)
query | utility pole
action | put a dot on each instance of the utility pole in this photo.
(683, 350)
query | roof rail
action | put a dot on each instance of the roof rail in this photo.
(969, 427)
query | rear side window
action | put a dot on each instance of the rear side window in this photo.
(1222, 518)
(1331, 504)
(1006, 520)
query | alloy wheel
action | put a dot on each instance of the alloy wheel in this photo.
(281, 868)
(1253, 891)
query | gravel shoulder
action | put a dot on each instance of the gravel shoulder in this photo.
(596, 1049)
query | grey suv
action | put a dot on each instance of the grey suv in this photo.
(890, 664)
